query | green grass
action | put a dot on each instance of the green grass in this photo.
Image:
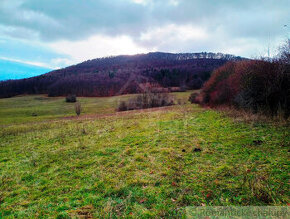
(23, 109)
(134, 164)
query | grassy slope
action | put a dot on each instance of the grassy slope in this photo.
(21, 109)
(134, 164)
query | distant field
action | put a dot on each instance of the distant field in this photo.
(134, 164)
(23, 109)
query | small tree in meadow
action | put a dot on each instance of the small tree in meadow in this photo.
(78, 108)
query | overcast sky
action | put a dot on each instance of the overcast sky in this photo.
(57, 33)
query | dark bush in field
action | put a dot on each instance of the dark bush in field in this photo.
(256, 85)
(193, 98)
(147, 100)
(122, 106)
(71, 99)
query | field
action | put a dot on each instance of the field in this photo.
(147, 163)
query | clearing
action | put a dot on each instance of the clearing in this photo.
(143, 163)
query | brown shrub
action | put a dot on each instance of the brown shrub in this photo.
(193, 98)
(122, 106)
(146, 100)
(255, 85)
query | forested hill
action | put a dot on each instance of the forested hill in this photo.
(122, 74)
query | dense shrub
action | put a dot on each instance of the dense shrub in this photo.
(257, 85)
(193, 98)
(71, 99)
(122, 106)
(147, 100)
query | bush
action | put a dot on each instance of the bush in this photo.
(78, 108)
(122, 106)
(256, 85)
(146, 100)
(71, 99)
(193, 98)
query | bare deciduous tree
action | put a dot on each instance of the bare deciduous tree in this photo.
(78, 108)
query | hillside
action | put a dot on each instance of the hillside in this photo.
(122, 74)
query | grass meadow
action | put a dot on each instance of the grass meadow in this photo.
(136, 164)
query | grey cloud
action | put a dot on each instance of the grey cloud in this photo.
(53, 20)
(71, 19)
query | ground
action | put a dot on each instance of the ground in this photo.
(148, 163)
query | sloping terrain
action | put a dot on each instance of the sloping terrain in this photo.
(140, 164)
(122, 75)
